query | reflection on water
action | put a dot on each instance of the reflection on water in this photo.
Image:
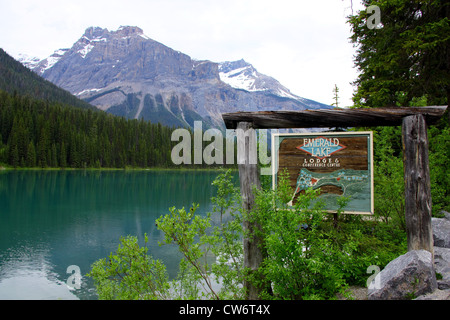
(50, 220)
(27, 273)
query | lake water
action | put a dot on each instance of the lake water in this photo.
(50, 220)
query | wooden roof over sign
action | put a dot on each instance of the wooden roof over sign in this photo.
(325, 118)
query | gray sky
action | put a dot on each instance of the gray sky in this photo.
(301, 43)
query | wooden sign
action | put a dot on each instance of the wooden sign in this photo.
(340, 164)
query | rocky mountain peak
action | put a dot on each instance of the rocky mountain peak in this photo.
(94, 36)
(126, 73)
(228, 66)
(128, 31)
(95, 32)
(28, 61)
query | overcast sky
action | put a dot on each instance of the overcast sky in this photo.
(302, 43)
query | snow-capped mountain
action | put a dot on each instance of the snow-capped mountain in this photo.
(28, 61)
(49, 62)
(126, 73)
(242, 75)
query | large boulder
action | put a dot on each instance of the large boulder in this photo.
(407, 277)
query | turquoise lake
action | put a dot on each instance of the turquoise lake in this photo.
(50, 220)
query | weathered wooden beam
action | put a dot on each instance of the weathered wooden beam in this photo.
(325, 118)
(417, 183)
(249, 179)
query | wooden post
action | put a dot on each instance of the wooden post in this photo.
(249, 179)
(417, 183)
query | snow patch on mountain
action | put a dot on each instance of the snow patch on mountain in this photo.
(240, 79)
(38, 65)
(85, 50)
(89, 43)
(54, 58)
(88, 91)
(28, 61)
(242, 75)
(239, 75)
(287, 94)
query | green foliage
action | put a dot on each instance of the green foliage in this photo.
(311, 255)
(130, 274)
(388, 176)
(405, 62)
(335, 96)
(306, 255)
(300, 263)
(184, 228)
(227, 237)
(439, 155)
(198, 236)
(406, 57)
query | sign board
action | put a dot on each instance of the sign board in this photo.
(339, 163)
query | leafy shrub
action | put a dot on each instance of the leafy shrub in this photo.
(308, 255)
(130, 274)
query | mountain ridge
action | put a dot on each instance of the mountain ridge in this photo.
(126, 73)
(16, 78)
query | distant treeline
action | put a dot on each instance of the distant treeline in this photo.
(36, 133)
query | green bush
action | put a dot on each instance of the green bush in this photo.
(130, 274)
(308, 254)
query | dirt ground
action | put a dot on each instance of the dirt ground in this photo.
(357, 293)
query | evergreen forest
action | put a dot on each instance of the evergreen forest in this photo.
(37, 133)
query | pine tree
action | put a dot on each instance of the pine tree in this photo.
(407, 57)
(42, 149)
(54, 158)
(31, 155)
(63, 155)
(335, 96)
(15, 157)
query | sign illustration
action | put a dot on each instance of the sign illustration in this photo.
(340, 164)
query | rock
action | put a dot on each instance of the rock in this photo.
(412, 275)
(442, 261)
(446, 214)
(409, 276)
(444, 284)
(436, 295)
(441, 232)
(442, 266)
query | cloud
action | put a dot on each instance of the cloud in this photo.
(303, 44)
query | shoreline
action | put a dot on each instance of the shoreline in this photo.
(4, 169)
